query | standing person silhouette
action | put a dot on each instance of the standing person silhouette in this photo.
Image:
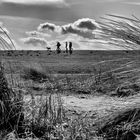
(70, 48)
(58, 50)
(66, 47)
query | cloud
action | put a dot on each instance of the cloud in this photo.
(86, 23)
(36, 2)
(83, 27)
(132, 3)
(38, 34)
(49, 27)
(69, 29)
(34, 41)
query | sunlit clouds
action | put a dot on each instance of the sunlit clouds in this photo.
(50, 33)
(83, 27)
(35, 41)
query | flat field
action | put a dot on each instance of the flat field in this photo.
(80, 62)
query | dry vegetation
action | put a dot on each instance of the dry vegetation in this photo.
(98, 102)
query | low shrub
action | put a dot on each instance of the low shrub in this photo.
(33, 74)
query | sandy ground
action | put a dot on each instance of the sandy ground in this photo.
(97, 106)
(101, 105)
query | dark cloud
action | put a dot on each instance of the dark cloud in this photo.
(48, 26)
(59, 11)
(83, 27)
(86, 23)
(69, 29)
(54, 12)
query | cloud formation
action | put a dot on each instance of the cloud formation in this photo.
(35, 41)
(86, 23)
(48, 27)
(69, 29)
(83, 27)
(131, 3)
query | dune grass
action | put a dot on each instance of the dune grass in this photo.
(120, 31)
(123, 124)
(11, 105)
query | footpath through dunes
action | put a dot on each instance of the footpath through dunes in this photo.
(95, 106)
(99, 105)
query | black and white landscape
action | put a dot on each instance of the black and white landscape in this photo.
(69, 70)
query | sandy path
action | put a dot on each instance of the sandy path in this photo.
(101, 104)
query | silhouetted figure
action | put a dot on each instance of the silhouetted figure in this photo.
(70, 48)
(58, 50)
(66, 47)
(48, 49)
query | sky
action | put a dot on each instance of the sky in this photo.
(35, 24)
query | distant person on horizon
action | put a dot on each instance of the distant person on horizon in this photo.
(70, 48)
(49, 50)
(58, 50)
(66, 47)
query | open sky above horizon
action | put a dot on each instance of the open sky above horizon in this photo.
(21, 17)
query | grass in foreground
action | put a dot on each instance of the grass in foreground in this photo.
(47, 118)
(11, 106)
